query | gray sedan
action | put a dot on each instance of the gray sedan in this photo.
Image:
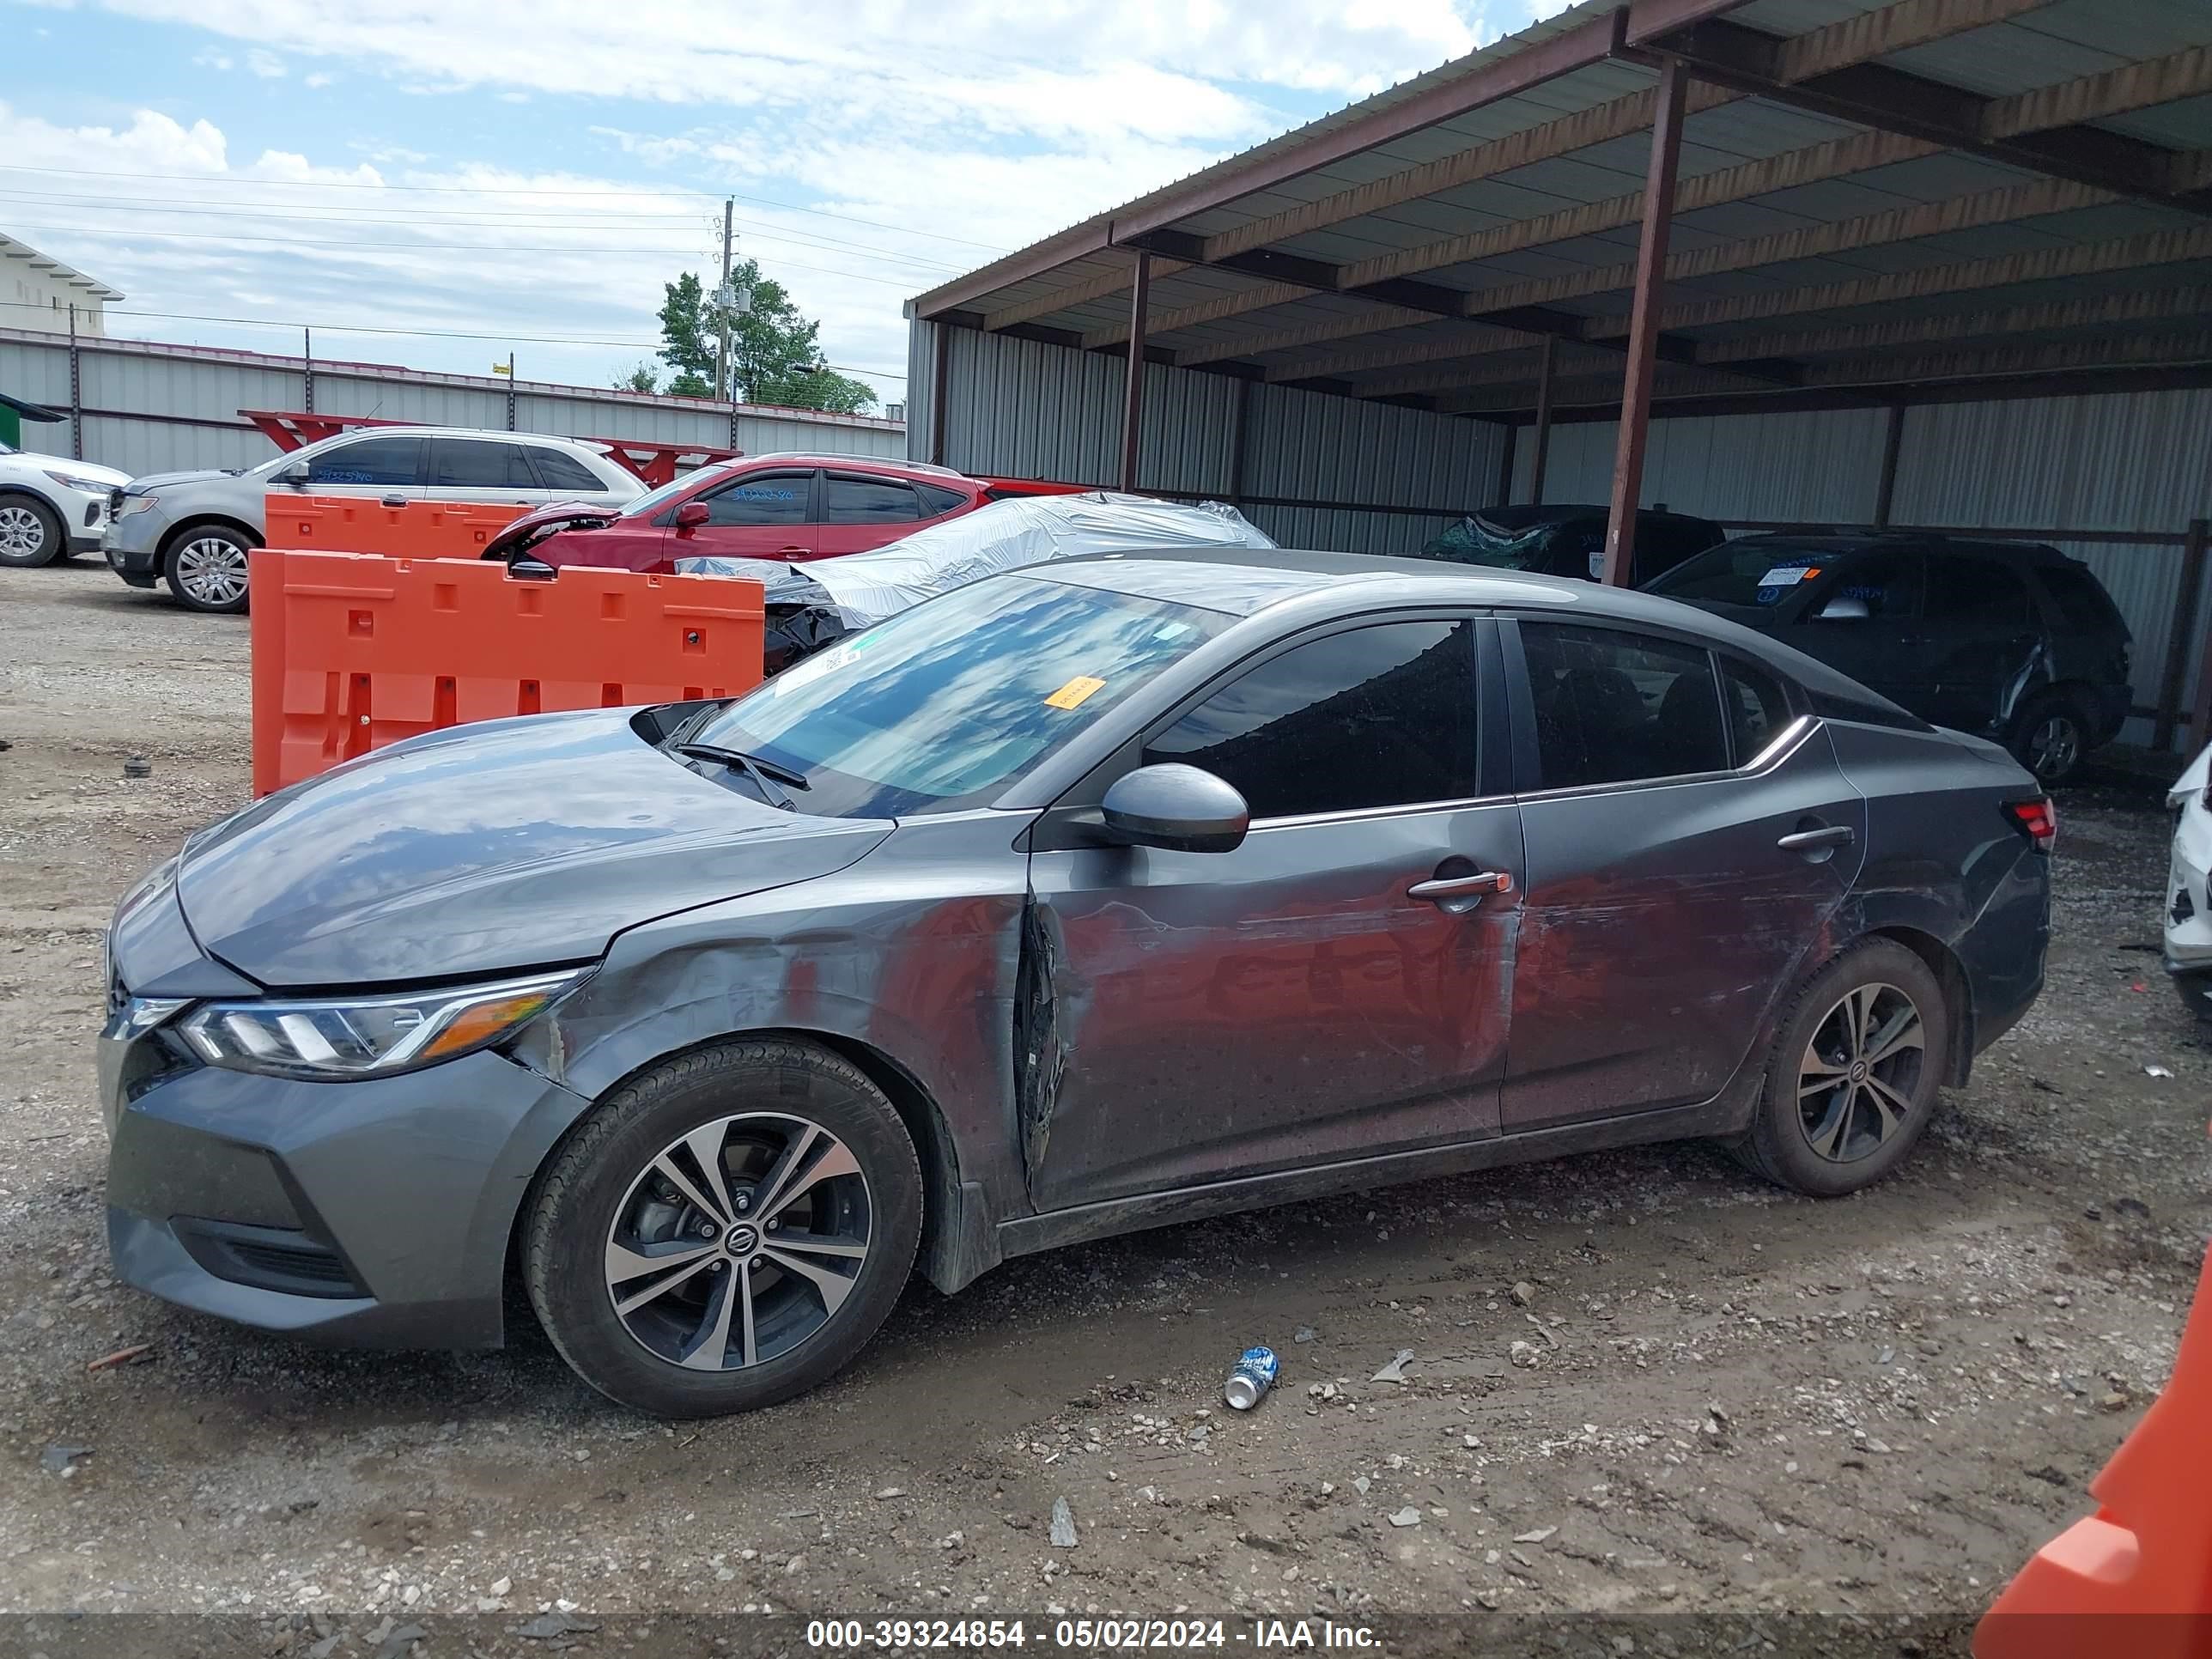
(1087, 898)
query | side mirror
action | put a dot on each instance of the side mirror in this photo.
(1180, 808)
(691, 515)
(1845, 607)
(531, 570)
(295, 475)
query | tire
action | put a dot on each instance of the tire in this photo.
(1828, 1143)
(205, 565)
(629, 1185)
(2050, 737)
(31, 532)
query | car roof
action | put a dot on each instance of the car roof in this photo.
(1842, 544)
(1521, 514)
(856, 462)
(1246, 581)
(404, 430)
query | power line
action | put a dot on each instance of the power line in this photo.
(412, 333)
(308, 214)
(430, 247)
(493, 189)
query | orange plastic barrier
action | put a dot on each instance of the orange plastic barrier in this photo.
(2134, 1578)
(419, 530)
(354, 651)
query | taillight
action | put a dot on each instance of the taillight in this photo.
(2037, 819)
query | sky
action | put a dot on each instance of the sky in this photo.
(440, 185)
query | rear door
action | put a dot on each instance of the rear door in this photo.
(860, 512)
(1980, 635)
(487, 469)
(372, 466)
(756, 515)
(1689, 837)
(565, 478)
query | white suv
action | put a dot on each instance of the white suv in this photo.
(51, 507)
(192, 530)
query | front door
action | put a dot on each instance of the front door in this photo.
(1862, 618)
(1336, 987)
(757, 515)
(373, 467)
(1690, 837)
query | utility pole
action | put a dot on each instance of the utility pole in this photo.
(722, 294)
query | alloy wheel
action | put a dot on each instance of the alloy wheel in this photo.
(2053, 746)
(739, 1242)
(212, 570)
(1860, 1072)
(22, 532)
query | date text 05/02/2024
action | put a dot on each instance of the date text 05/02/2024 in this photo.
(1087, 1635)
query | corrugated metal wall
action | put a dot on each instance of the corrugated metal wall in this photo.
(1026, 408)
(2129, 461)
(154, 408)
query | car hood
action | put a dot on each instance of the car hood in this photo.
(552, 515)
(147, 482)
(106, 475)
(1759, 618)
(2194, 780)
(511, 844)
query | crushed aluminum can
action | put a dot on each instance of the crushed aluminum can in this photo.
(1252, 1376)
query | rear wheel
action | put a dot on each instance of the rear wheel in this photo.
(1854, 1074)
(2051, 737)
(205, 567)
(727, 1232)
(31, 532)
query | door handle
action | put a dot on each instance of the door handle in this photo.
(1442, 888)
(1809, 840)
(786, 551)
(391, 501)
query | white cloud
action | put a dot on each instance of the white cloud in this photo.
(266, 65)
(319, 81)
(221, 62)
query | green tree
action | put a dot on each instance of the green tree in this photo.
(776, 355)
(643, 378)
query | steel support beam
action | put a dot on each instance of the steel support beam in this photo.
(1874, 34)
(1545, 376)
(2200, 706)
(1644, 325)
(2136, 306)
(2175, 680)
(940, 375)
(1884, 489)
(1104, 286)
(1293, 340)
(1133, 380)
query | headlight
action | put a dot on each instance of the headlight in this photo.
(333, 1037)
(136, 504)
(83, 486)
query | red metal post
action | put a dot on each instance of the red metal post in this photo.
(1644, 324)
(2176, 649)
(1884, 489)
(1133, 389)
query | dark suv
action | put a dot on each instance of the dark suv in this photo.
(2011, 640)
(1556, 539)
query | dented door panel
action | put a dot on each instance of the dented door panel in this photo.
(1663, 921)
(1188, 1017)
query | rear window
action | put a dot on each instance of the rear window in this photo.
(2082, 603)
(1747, 573)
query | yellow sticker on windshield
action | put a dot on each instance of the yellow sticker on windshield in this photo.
(1071, 694)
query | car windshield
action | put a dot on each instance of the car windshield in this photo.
(942, 706)
(649, 503)
(1511, 544)
(1747, 572)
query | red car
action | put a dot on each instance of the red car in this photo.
(792, 506)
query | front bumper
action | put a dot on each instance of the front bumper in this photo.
(132, 545)
(2189, 911)
(86, 517)
(375, 1212)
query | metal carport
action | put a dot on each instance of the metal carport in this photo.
(1797, 231)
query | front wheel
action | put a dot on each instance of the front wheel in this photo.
(726, 1232)
(31, 532)
(1853, 1077)
(206, 569)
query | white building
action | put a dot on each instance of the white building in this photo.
(37, 291)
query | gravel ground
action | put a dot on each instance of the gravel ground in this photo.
(1640, 1381)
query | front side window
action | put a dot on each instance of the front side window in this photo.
(1884, 587)
(474, 464)
(1378, 716)
(868, 500)
(944, 705)
(764, 498)
(1617, 707)
(388, 462)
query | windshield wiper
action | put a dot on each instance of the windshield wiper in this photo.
(766, 774)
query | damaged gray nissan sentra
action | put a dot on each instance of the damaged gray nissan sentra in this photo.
(1082, 899)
